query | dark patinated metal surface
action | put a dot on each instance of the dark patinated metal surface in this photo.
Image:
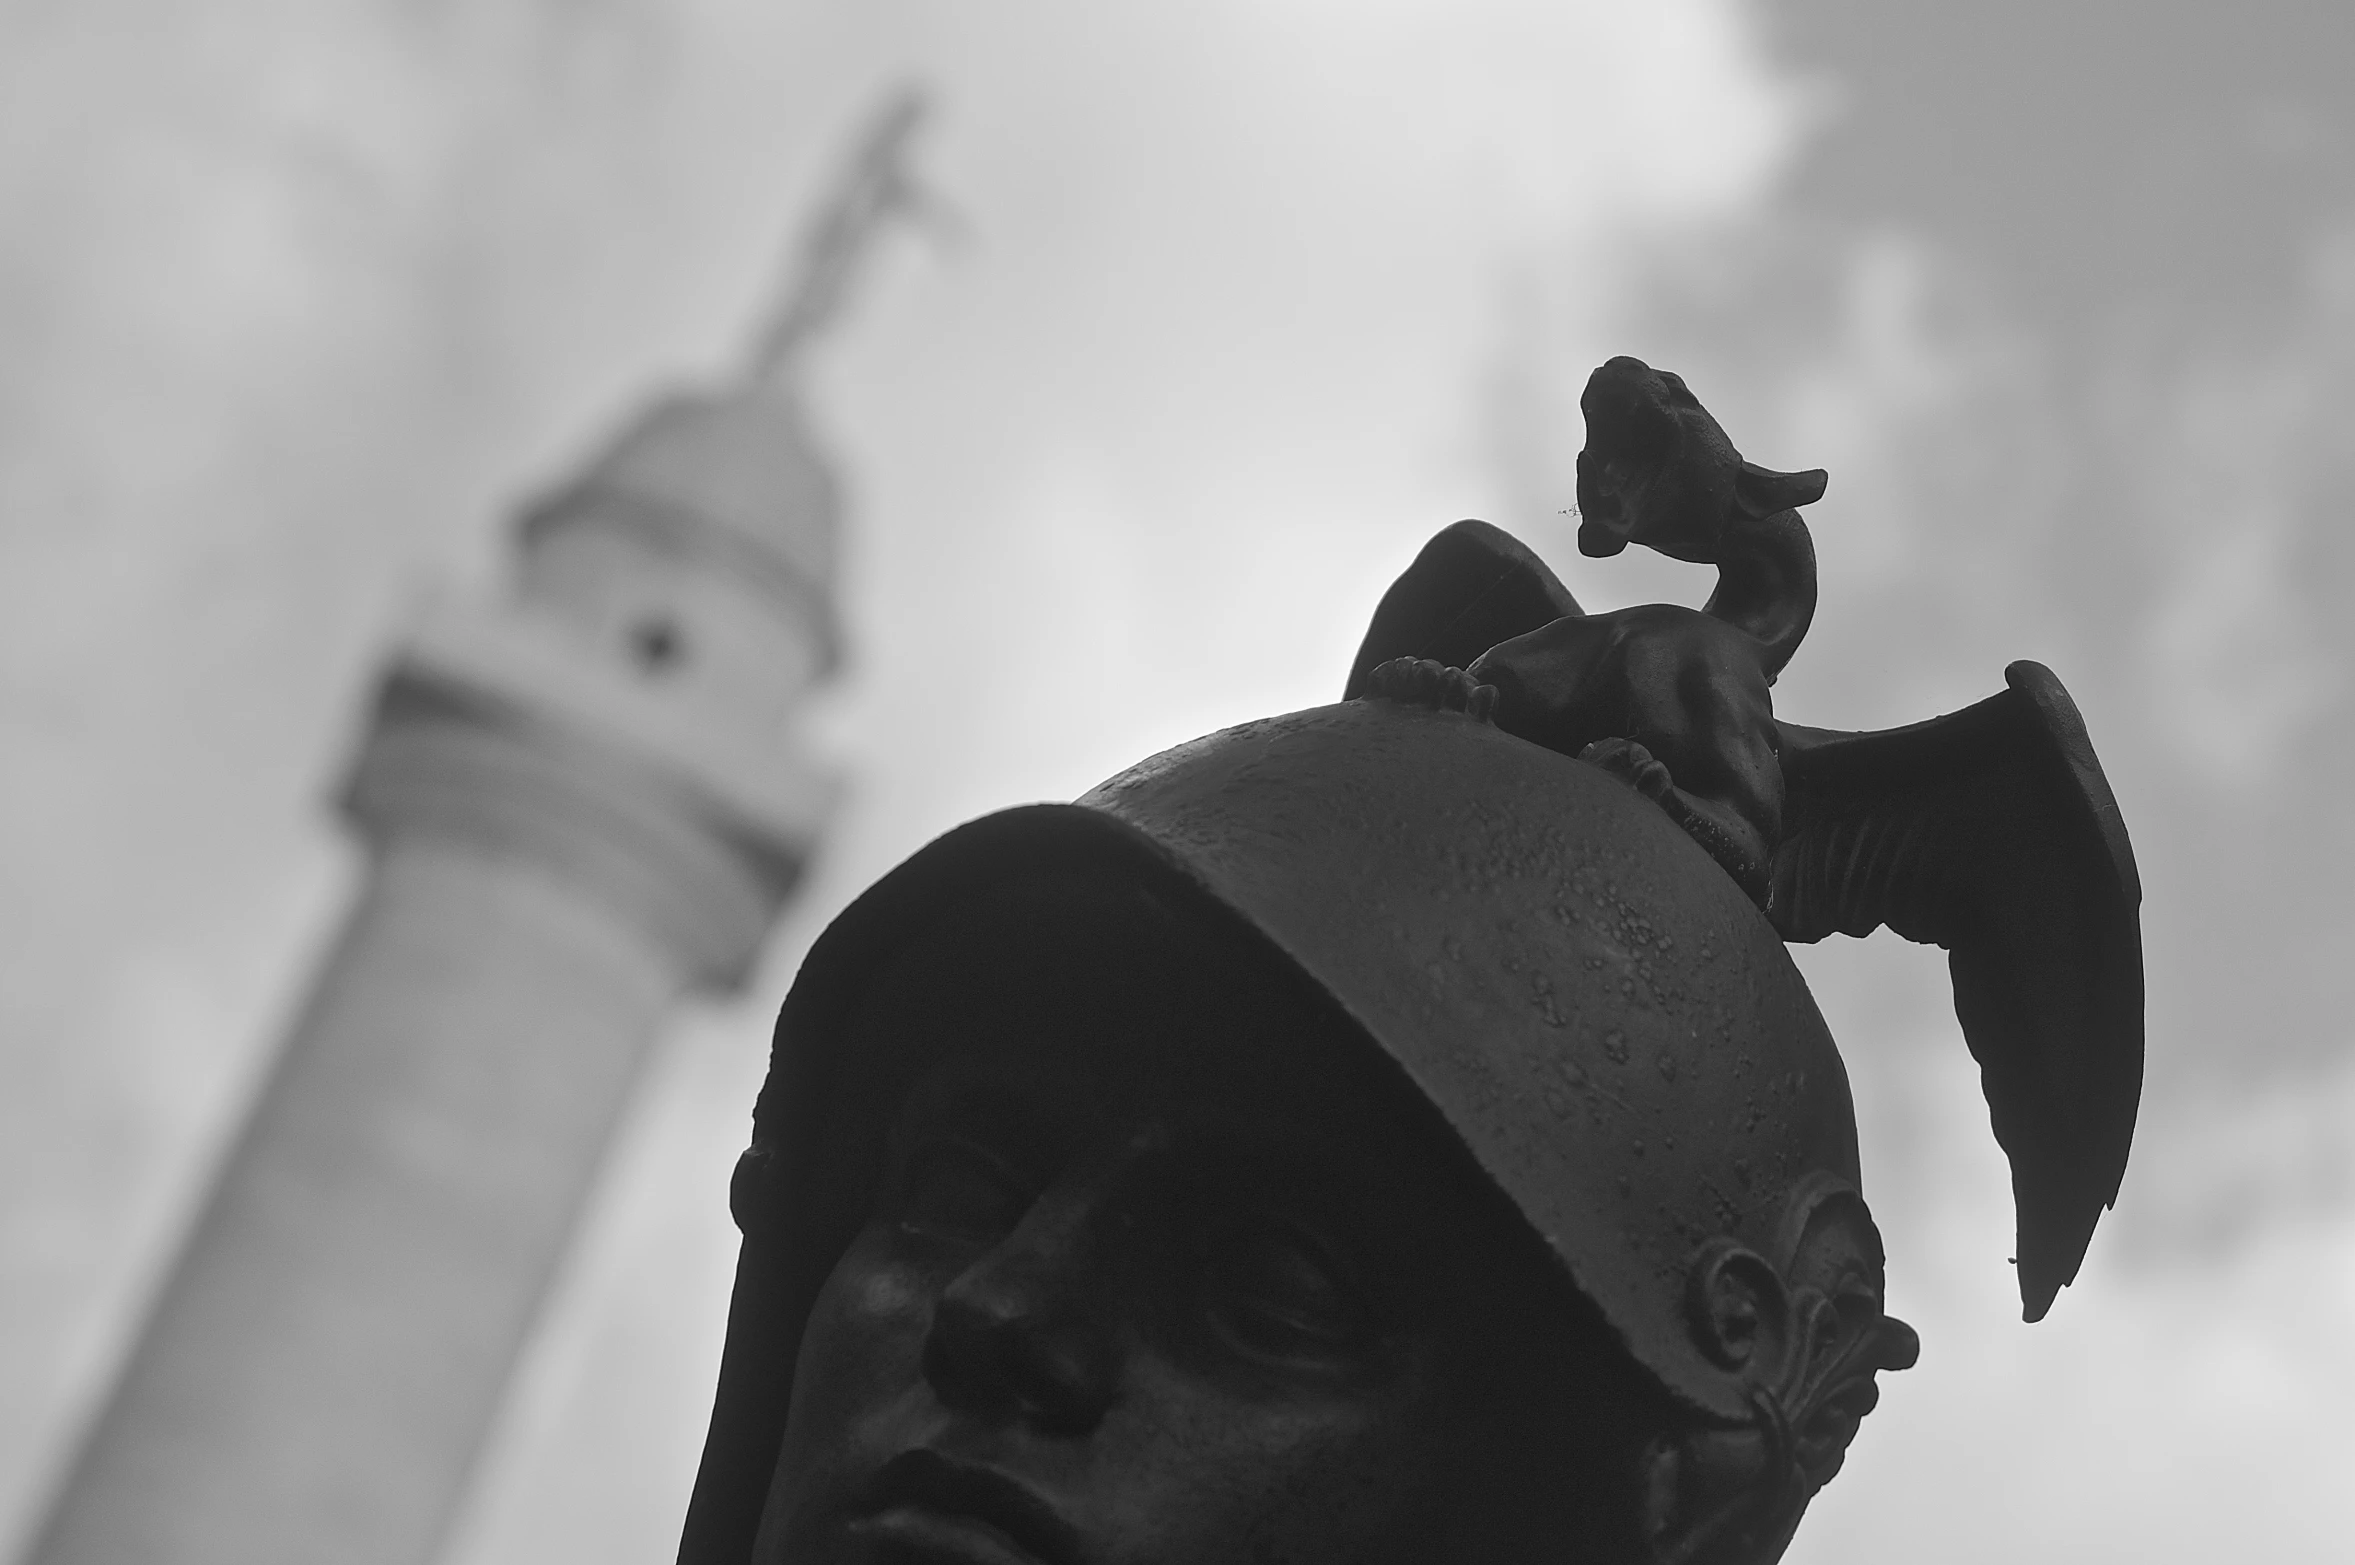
(1535, 881)
(1618, 1036)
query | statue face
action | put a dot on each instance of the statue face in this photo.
(1163, 1268)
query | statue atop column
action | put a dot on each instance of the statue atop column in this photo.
(1396, 1131)
(580, 802)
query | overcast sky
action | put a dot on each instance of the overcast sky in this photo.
(298, 299)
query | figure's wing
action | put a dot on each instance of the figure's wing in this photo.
(1992, 832)
(1472, 586)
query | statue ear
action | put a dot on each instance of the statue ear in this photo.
(1762, 491)
(1715, 1493)
(1713, 1496)
(1806, 1335)
(1718, 1493)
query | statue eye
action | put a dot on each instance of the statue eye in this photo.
(954, 1189)
(1274, 1291)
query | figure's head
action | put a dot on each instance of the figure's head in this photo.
(1358, 1136)
(1161, 1266)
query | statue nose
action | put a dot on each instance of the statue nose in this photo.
(1022, 1333)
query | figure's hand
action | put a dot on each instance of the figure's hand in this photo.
(1632, 764)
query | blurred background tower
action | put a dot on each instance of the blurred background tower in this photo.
(579, 804)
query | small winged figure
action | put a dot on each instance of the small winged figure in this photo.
(1673, 699)
(1990, 832)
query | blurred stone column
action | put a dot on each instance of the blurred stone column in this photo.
(578, 805)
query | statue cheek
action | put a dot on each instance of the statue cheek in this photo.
(883, 1295)
(866, 1328)
(860, 1355)
(1210, 1472)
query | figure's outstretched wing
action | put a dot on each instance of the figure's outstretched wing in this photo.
(1472, 586)
(1992, 832)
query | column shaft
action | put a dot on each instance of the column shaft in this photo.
(324, 1361)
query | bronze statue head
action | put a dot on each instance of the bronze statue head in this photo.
(1370, 1134)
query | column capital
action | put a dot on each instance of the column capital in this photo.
(462, 760)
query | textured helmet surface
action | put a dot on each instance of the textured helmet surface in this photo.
(1597, 1013)
(1608, 1024)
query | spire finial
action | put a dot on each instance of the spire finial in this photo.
(874, 187)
